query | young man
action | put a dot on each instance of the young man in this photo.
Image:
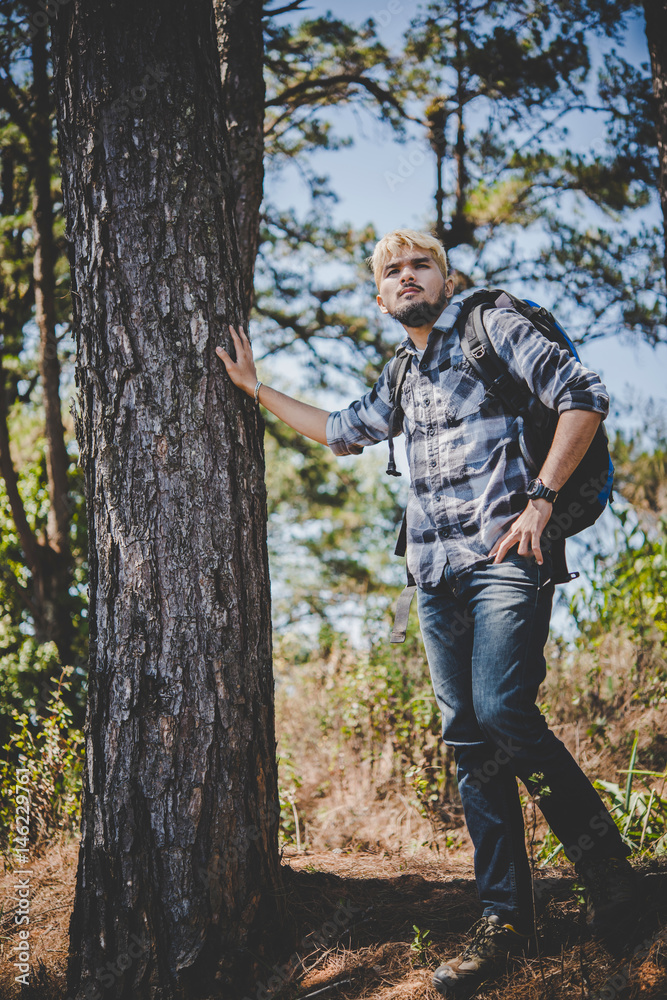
(475, 518)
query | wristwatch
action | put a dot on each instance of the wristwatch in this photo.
(538, 491)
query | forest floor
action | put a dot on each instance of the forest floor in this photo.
(368, 925)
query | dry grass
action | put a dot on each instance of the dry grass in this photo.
(367, 955)
(367, 843)
(51, 899)
(349, 794)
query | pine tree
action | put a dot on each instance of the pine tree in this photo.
(178, 865)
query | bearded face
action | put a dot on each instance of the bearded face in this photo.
(417, 310)
(413, 290)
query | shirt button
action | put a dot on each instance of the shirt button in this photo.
(427, 402)
(433, 463)
(445, 533)
(431, 431)
(423, 366)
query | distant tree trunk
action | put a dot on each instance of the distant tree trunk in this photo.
(241, 51)
(178, 866)
(656, 34)
(52, 577)
(57, 459)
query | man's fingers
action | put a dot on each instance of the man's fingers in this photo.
(506, 543)
(239, 334)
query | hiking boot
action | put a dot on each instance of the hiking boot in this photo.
(490, 944)
(611, 894)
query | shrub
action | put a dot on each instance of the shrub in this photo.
(51, 752)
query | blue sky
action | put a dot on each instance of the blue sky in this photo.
(358, 175)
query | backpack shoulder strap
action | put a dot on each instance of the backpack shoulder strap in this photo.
(397, 373)
(402, 612)
(483, 359)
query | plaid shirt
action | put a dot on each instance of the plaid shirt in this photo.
(465, 452)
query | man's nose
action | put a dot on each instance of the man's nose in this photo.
(407, 276)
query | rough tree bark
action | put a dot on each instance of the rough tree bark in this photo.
(656, 34)
(241, 51)
(178, 865)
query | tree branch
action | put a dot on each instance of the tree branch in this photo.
(297, 5)
(331, 82)
(10, 100)
(29, 543)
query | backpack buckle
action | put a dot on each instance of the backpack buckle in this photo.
(479, 352)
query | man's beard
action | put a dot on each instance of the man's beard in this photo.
(415, 314)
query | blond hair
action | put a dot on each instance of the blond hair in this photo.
(393, 243)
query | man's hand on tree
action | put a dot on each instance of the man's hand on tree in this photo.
(303, 417)
(242, 372)
(526, 531)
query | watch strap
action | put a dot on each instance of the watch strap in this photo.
(537, 490)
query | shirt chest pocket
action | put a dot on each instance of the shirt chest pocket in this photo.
(460, 392)
(453, 394)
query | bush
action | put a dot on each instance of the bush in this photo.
(51, 754)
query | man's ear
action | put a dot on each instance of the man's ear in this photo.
(449, 287)
(381, 304)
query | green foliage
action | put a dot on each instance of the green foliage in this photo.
(421, 946)
(51, 750)
(641, 817)
(28, 663)
(628, 598)
(316, 64)
(289, 784)
(331, 531)
(382, 702)
(29, 612)
(640, 463)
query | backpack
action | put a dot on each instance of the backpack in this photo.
(588, 490)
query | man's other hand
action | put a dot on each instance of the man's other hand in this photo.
(526, 531)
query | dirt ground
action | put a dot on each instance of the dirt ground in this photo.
(367, 925)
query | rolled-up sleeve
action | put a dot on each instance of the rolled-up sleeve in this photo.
(364, 422)
(554, 375)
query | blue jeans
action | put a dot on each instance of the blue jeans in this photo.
(484, 633)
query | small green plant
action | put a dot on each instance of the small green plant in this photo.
(289, 783)
(51, 754)
(641, 816)
(420, 946)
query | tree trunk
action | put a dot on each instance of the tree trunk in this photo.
(57, 459)
(242, 65)
(656, 34)
(178, 867)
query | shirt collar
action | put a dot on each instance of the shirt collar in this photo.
(444, 327)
